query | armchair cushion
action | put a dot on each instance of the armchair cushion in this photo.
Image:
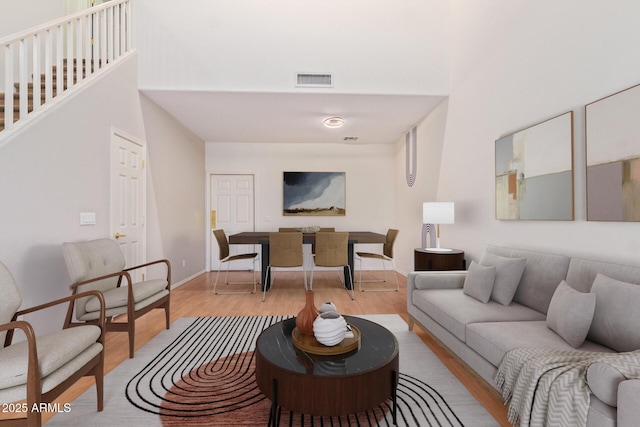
(10, 301)
(54, 351)
(117, 297)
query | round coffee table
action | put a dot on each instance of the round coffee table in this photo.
(328, 385)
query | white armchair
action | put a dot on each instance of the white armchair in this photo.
(100, 265)
(40, 368)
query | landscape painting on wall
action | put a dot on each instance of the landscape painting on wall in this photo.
(612, 145)
(314, 194)
(534, 172)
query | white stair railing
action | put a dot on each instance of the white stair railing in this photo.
(38, 64)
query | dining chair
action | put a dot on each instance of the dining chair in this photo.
(313, 245)
(38, 369)
(100, 265)
(385, 257)
(285, 251)
(332, 251)
(226, 258)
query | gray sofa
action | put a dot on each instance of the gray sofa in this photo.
(481, 333)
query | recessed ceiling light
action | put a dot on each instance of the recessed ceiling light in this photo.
(333, 122)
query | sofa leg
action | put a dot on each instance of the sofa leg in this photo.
(412, 322)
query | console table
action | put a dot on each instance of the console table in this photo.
(426, 259)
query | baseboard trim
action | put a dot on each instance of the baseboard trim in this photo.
(185, 280)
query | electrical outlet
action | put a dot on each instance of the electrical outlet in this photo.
(184, 263)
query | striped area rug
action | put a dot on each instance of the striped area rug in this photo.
(201, 372)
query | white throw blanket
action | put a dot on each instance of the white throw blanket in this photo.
(545, 387)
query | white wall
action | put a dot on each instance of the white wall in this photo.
(371, 46)
(17, 15)
(177, 203)
(409, 199)
(55, 168)
(369, 188)
(515, 64)
(59, 166)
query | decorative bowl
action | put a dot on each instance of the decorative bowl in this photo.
(329, 328)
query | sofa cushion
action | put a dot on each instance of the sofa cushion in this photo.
(492, 340)
(603, 380)
(582, 272)
(617, 315)
(453, 310)
(479, 281)
(570, 314)
(542, 274)
(508, 274)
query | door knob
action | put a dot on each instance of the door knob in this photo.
(118, 235)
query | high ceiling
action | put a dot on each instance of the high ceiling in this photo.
(227, 70)
(294, 117)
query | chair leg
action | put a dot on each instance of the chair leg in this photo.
(99, 376)
(167, 314)
(255, 262)
(215, 285)
(226, 281)
(384, 267)
(132, 335)
(270, 276)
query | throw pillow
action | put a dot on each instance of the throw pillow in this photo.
(508, 274)
(479, 282)
(570, 314)
(616, 318)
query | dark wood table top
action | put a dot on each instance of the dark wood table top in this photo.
(258, 237)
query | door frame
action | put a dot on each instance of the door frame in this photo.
(143, 196)
(207, 225)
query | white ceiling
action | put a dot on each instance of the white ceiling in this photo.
(294, 117)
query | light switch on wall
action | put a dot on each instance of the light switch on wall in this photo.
(87, 218)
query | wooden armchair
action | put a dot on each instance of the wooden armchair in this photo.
(38, 369)
(99, 265)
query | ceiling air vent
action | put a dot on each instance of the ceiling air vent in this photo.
(314, 80)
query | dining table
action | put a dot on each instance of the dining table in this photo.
(262, 238)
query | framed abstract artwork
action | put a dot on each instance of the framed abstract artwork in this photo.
(314, 194)
(612, 146)
(534, 172)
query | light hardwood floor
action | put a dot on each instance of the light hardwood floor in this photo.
(287, 297)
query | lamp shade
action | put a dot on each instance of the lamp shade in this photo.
(437, 213)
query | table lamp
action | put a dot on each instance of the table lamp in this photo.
(438, 213)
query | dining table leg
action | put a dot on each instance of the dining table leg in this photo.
(266, 283)
(349, 272)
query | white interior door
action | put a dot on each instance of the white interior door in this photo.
(232, 207)
(128, 195)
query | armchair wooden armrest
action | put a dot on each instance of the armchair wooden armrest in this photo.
(33, 371)
(70, 299)
(160, 261)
